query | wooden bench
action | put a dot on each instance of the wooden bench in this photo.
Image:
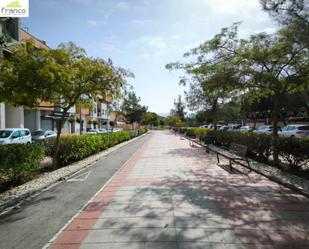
(241, 152)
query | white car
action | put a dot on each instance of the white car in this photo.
(93, 131)
(264, 129)
(102, 131)
(245, 128)
(295, 130)
(15, 136)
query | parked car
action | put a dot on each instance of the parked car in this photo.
(15, 136)
(102, 131)
(264, 129)
(295, 130)
(92, 131)
(245, 128)
(40, 136)
(224, 128)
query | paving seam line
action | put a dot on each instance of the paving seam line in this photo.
(10, 204)
(282, 182)
(92, 198)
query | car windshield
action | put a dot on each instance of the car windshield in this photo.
(5, 134)
(38, 133)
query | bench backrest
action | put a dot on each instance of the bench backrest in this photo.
(239, 149)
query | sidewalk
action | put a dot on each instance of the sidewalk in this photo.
(169, 195)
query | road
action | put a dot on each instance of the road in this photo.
(39, 219)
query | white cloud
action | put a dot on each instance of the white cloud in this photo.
(144, 56)
(92, 23)
(268, 30)
(154, 42)
(232, 7)
(122, 5)
(157, 43)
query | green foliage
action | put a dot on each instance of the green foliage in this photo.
(132, 109)
(199, 133)
(295, 151)
(173, 121)
(77, 147)
(151, 118)
(179, 109)
(18, 161)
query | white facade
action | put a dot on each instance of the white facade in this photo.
(2, 116)
(14, 117)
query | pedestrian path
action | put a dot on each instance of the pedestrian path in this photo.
(172, 196)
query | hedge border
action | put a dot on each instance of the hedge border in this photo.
(21, 195)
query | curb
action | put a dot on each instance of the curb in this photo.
(13, 203)
(293, 182)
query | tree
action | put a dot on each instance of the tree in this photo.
(294, 13)
(62, 76)
(132, 109)
(173, 121)
(151, 118)
(270, 65)
(212, 75)
(179, 108)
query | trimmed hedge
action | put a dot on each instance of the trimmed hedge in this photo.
(76, 147)
(18, 161)
(294, 151)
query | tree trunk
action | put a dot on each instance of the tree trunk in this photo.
(255, 121)
(276, 109)
(214, 111)
(80, 121)
(57, 145)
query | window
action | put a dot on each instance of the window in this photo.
(5, 134)
(304, 128)
(22, 133)
(291, 128)
(16, 134)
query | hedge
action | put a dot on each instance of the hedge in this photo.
(293, 151)
(18, 161)
(76, 147)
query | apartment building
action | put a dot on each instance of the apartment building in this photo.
(44, 117)
(10, 116)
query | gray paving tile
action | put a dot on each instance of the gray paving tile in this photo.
(117, 235)
(128, 245)
(130, 222)
(207, 235)
(161, 245)
(161, 222)
(161, 234)
(200, 222)
(133, 212)
(194, 245)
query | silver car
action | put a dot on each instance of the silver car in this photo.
(40, 136)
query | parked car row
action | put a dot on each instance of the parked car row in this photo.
(292, 130)
(24, 136)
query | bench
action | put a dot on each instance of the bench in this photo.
(241, 151)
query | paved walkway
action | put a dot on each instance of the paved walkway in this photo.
(169, 195)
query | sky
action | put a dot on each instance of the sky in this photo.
(143, 35)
